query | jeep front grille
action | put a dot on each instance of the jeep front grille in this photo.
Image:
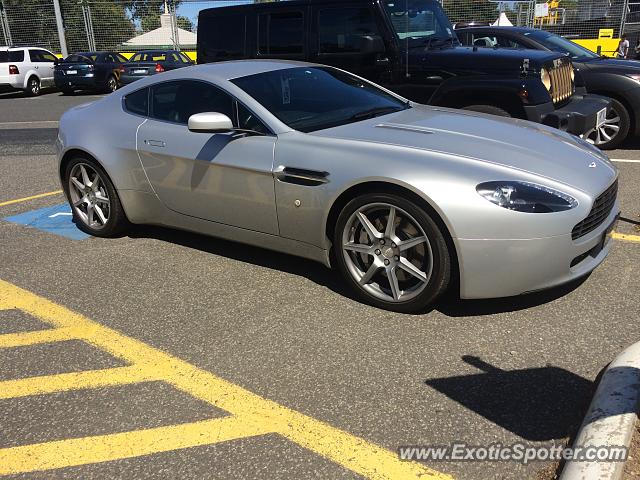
(561, 84)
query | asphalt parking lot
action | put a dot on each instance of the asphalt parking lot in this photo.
(166, 354)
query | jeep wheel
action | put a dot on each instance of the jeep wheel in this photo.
(614, 130)
(490, 109)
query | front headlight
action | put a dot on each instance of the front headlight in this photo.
(573, 75)
(545, 76)
(526, 197)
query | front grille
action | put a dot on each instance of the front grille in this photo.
(561, 84)
(598, 214)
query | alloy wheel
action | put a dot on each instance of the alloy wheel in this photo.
(89, 196)
(387, 252)
(607, 131)
(112, 84)
(34, 86)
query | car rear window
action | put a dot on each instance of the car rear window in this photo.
(150, 57)
(12, 56)
(80, 58)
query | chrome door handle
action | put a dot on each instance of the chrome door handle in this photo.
(301, 176)
(155, 143)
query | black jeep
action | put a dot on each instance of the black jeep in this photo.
(410, 47)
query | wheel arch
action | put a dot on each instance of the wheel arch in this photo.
(385, 187)
(28, 76)
(78, 152)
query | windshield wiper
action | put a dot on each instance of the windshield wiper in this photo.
(375, 112)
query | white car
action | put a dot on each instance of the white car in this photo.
(26, 68)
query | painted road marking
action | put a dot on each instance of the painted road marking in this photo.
(33, 197)
(626, 238)
(250, 414)
(624, 160)
(57, 220)
(23, 125)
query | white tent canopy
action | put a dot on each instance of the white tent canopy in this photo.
(163, 37)
(502, 21)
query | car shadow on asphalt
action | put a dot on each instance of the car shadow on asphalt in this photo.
(536, 404)
(450, 305)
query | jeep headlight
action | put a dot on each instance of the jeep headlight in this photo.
(526, 197)
(573, 75)
(545, 76)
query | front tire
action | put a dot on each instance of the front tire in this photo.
(93, 199)
(392, 253)
(615, 129)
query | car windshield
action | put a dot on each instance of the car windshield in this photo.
(561, 45)
(419, 20)
(314, 98)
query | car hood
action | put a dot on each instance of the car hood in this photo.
(517, 144)
(612, 65)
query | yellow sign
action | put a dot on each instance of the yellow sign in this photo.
(605, 33)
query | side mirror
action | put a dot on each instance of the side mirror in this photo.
(210, 122)
(371, 44)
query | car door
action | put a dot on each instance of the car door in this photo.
(46, 64)
(349, 37)
(225, 178)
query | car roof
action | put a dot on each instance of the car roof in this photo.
(269, 5)
(235, 69)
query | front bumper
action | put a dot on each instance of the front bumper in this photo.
(578, 116)
(505, 268)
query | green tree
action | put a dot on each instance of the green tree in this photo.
(32, 23)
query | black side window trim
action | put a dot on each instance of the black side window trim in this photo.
(235, 100)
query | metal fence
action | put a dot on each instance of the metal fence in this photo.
(131, 25)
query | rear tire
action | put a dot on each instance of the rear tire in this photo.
(112, 84)
(33, 87)
(67, 91)
(490, 109)
(403, 265)
(93, 199)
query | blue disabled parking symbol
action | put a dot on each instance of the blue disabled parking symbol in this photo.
(56, 220)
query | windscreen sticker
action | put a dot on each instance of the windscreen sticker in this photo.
(286, 91)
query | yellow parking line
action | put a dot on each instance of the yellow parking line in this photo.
(72, 381)
(103, 448)
(33, 197)
(254, 413)
(24, 339)
(626, 238)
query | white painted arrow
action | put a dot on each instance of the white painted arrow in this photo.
(60, 213)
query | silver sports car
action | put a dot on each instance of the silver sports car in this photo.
(403, 199)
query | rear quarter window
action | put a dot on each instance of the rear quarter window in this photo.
(137, 102)
(12, 56)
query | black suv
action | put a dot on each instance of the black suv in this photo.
(617, 79)
(409, 47)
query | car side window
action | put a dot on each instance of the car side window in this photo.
(342, 30)
(184, 58)
(224, 38)
(248, 121)
(176, 101)
(108, 58)
(46, 56)
(137, 102)
(281, 33)
(34, 55)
